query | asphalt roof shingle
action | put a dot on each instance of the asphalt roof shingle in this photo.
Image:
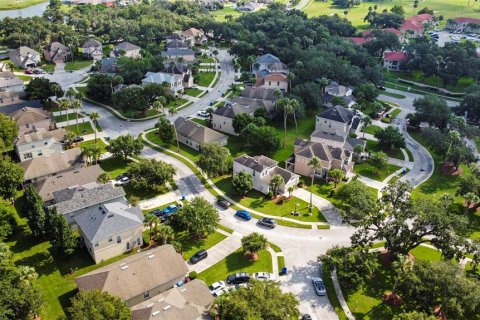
(337, 113)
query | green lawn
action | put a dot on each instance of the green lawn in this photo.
(48, 67)
(372, 129)
(190, 247)
(448, 8)
(395, 113)
(393, 95)
(417, 76)
(372, 146)
(203, 122)
(15, 4)
(77, 65)
(83, 128)
(204, 79)
(184, 150)
(134, 114)
(206, 59)
(220, 14)
(236, 262)
(71, 117)
(193, 92)
(99, 142)
(24, 77)
(257, 201)
(176, 103)
(367, 170)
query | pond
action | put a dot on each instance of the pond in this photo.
(32, 11)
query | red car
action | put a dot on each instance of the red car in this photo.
(28, 72)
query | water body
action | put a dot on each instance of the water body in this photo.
(32, 11)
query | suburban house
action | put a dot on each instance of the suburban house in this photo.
(126, 49)
(174, 36)
(39, 143)
(49, 165)
(109, 65)
(177, 44)
(393, 60)
(182, 70)
(190, 301)
(25, 57)
(78, 199)
(259, 93)
(78, 177)
(174, 81)
(110, 229)
(247, 7)
(56, 52)
(330, 142)
(336, 90)
(270, 73)
(463, 24)
(194, 36)
(139, 277)
(195, 135)
(416, 25)
(262, 169)
(31, 119)
(11, 88)
(93, 49)
(222, 118)
(187, 55)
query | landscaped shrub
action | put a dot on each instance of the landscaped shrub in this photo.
(192, 275)
(301, 183)
(386, 120)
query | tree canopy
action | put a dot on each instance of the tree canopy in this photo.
(98, 305)
(198, 216)
(151, 174)
(125, 146)
(215, 160)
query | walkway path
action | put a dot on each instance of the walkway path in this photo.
(326, 207)
(341, 298)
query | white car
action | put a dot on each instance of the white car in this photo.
(203, 113)
(264, 276)
(123, 181)
(216, 287)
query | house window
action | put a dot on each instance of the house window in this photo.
(110, 239)
(96, 244)
(119, 239)
(128, 245)
(27, 155)
(278, 83)
(138, 241)
(45, 143)
(146, 295)
(40, 153)
(269, 83)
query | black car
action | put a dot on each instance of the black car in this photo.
(223, 203)
(306, 317)
(199, 256)
(267, 222)
(238, 278)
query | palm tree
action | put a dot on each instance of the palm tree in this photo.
(276, 182)
(323, 82)
(65, 105)
(160, 103)
(69, 137)
(253, 243)
(357, 151)
(290, 77)
(366, 122)
(314, 163)
(290, 190)
(470, 198)
(287, 109)
(11, 66)
(454, 136)
(295, 105)
(103, 178)
(163, 233)
(76, 106)
(150, 221)
(336, 175)
(95, 116)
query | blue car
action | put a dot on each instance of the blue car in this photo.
(243, 214)
(170, 209)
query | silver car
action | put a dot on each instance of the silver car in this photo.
(319, 286)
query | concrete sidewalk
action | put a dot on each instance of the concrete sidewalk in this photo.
(326, 207)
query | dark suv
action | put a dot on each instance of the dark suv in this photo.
(199, 256)
(238, 278)
(223, 203)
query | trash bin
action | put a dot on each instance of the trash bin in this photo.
(183, 197)
(284, 270)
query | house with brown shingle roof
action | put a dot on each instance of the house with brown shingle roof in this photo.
(195, 135)
(271, 73)
(138, 277)
(30, 119)
(56, 52)
(126, 49)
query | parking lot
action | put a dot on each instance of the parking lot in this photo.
(445, 37)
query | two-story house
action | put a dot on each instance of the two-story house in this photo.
(110, 229)
(182, 70)
(25, 57)
(186, 55)
(11, 88)
(31, 119)
(56, 52)
(270, 73)
(93, 49)
(194, 36)
(393, 60)
(126, 49)
(336, 91)
(174, 81)
(262, 169)
(194, 135)
(39, 143)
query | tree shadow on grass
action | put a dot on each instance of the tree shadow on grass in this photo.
(42, 261)
(65, 298)
(237, 261)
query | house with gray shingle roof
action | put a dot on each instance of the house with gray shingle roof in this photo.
(110, 229)
(262, 169)
(340, 92)
(126, 49)
(195, 135)
(93, 49)
(174, 54)
(25, 57)
(39, 143)
(334, 125)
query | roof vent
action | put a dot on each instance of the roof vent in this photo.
(167, 307)
(151, 256)
(155, 313)
(124, 267)
(160, 300)
(149, 305)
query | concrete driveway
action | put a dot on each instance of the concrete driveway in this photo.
(66, 78)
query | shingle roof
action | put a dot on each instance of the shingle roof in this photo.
(109, 65)
(259, 93)
(80, 177)
(178, 52)
(92, 43)
(107, 220)
(54, 163)
(337, 113)
(126, 46)
(395, 56)
(319, 150)
(238, 105)
(467, 20)
(132, 276)
(177, 68)
(192, 32)
(328, 136)
(42, 134)
(187, 302)
(24, 51)
(29, 115)
(8, 79)
(176, 44)
(79, 197)
(257, 163)
(160, 77)
(286, 175)
(196, 132)
(267, 58)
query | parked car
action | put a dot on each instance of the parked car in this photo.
(306, 317)
(223, 203)
(219, 285)
(263, 276)
(120, 176)
(319, 286)
(170, 209)
(243, 214)
(123, 181)
(268, 222)
(203, 113)
(199, 256)
(78, 139)
(28, 71)
(238, 278)
(156, 212)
